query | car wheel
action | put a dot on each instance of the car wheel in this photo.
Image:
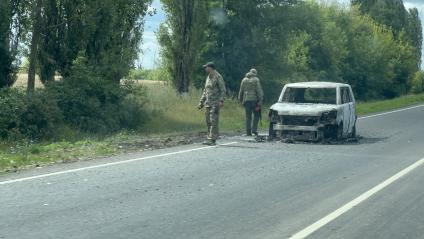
(354, 132)
(340, 131)
(272, 134)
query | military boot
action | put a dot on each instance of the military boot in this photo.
(210, 142)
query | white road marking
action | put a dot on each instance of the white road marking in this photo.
(109, 164)
(355, 202)
(391, 112)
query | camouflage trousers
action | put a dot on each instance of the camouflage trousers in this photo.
(212, 122)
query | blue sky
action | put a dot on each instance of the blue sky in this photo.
(150, 47)
(149, 56)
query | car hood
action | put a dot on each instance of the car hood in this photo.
(302, 109)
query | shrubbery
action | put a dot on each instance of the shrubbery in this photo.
(159, 74)
(32, 116)
(83, 102)
(418, 82)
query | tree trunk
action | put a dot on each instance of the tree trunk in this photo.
(34, 46)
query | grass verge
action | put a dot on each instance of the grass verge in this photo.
(173, 120)
(387, 105)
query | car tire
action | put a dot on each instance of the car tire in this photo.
(272, 134)
(353, 135)
(339, 135)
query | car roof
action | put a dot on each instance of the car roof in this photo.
(316, 84)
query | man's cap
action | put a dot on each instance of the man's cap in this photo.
(249, 74)
(253, 71)
(209, 64)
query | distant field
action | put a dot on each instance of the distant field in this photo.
(21, 81)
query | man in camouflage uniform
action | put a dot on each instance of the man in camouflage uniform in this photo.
(213, 100)
(251, 96)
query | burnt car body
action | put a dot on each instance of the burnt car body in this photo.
(314, 111)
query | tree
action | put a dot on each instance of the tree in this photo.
(12, 27)
(114, 31)
(392, 13)
(51, 27)
(249, 34)
(414, 32)
(6, 57)
(107, 32)
(36, 27)
(181, 38)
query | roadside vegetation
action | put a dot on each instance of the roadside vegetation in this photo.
(173, 120)
(91, 46)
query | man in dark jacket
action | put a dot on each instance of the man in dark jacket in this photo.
(251, 97)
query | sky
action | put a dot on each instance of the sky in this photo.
(150, 48)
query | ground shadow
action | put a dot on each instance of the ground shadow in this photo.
(359, 140)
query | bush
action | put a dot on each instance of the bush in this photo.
(158, 74)
(33, 116)
(138, 74)
(91, 104)
(12, 105)
(418, 82)
(41, 116)
(82, 102)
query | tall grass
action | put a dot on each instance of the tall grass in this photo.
(173, 113)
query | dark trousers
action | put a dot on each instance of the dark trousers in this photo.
(250, 108)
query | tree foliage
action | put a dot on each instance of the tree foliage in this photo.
(12, 24)
(92, 43)
(108, 32)
(304, 41)
(181, 38)
(393, 14)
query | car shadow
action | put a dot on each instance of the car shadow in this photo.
(359, 140)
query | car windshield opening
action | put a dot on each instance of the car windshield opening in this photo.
(310, 95)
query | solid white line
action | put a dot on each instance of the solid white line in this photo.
(391, 112)
(355, 202)
(109, 164)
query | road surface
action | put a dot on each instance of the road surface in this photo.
(371, 189)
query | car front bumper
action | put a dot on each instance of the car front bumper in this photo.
(299, 133)
(281, 127)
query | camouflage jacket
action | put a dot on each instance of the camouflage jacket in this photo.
(251, 90)
(214, 91)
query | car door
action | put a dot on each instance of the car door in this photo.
(346, 105)
(352, 105)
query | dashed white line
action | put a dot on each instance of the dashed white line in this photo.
(355, 202)
(109, 164)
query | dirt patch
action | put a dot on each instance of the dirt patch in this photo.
(160, 142)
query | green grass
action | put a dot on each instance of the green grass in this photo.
(170, 115)
(387, 105)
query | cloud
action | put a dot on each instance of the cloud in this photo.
(150, 47)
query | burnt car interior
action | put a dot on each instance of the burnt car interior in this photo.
(310, 95)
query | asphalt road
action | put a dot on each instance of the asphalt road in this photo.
(238, 190)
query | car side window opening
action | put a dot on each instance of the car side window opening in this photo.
(346, 97)
(310, 95)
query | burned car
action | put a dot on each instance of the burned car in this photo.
(314, 111)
